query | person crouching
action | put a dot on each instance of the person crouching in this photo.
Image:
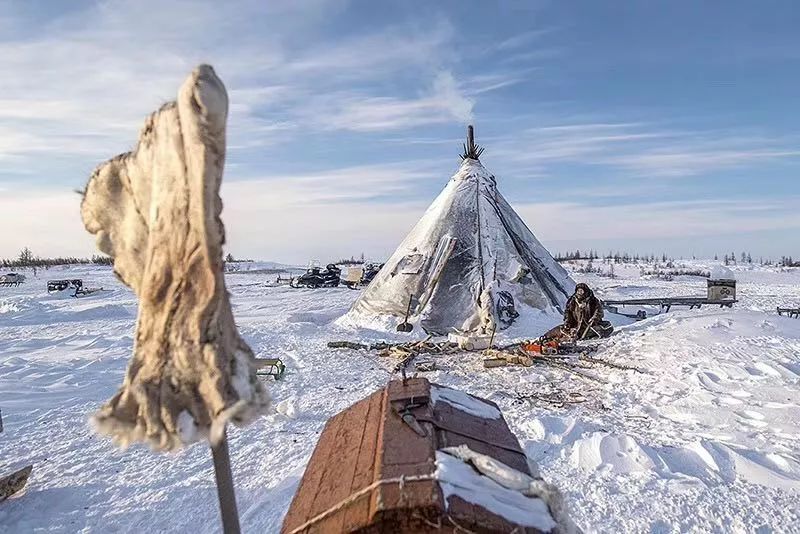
(583, 317)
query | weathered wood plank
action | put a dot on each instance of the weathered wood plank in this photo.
(340, 471)
(301, 509)
(357, 515)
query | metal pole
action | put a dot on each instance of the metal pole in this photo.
(470, 139)
(225, 491)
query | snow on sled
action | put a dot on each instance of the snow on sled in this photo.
(12, 279)
(418, 457)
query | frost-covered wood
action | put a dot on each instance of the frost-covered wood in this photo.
(156, 211)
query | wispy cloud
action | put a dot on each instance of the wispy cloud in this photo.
(696, 160)
(315, 190)
(640, 149)
(658, 220)
(523, 39)
(362, 113)
(98, 72)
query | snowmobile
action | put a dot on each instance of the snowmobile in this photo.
(315, 277)
(370, 271)
(54, 286)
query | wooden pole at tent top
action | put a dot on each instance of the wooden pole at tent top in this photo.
(471, 150)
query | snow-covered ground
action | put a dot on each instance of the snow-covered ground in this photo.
(705, 437)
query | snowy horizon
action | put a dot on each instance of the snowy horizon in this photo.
(639, 128)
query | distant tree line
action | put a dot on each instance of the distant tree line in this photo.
(26, 258)
(746, 258)
(625, 257)
(230, 259)
(352, 260)
(616, 257)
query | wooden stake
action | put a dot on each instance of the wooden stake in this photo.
(225, 490)
(491, 339)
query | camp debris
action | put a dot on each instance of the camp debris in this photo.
(357, 346)
(432, 459)
(501, 358)
(566, 356)
(527, 353)
(471, 262)
(14, 482)
(425, 365)
(469, 341)
(273, 367)
(552, 346)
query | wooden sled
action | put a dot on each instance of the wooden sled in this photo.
(13, 483)
(395, 462)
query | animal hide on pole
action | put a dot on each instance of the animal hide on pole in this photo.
(156, 211)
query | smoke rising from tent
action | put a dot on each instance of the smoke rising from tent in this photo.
(446, 90)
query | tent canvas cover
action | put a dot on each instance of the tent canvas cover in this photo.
(468, 255)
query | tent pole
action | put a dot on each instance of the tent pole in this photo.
(225, 491)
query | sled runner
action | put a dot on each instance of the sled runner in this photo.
(791, 312)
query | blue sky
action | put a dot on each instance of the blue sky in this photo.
(640, 126)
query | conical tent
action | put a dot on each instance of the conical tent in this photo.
(465, 261)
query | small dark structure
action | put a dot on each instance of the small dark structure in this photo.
(791, 312)
(721, 289)
(385, 465)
